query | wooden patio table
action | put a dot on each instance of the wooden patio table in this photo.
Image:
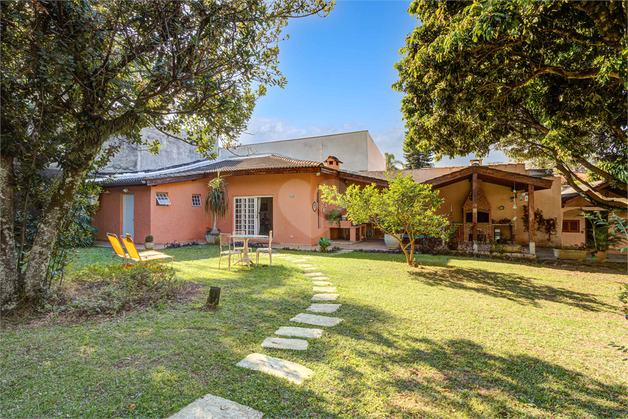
(246, 237)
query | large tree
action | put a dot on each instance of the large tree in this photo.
(75, 73)
(540, 80)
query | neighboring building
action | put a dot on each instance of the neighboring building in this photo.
(357, 150)
(266, 192)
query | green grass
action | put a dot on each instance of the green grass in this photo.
(458, 338)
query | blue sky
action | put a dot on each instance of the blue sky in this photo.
(340, 72)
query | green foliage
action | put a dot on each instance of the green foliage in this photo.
(324, 243)
(217, 200)
(335, 216)
(109, 289)
(546, 225)
(620, 225)
(391, 162)
(540, 80)
(405, 208)
(149, 238)
(416, 159)
(604, 231)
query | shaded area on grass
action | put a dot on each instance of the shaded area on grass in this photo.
(461, 374)
(513, 287)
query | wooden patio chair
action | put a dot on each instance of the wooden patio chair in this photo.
(233, 239)
(268, 250)
(144, 257)
(117, 248)
(225, 240)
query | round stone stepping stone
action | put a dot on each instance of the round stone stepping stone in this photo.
(210, 406)
(320, 277)
(327, 283)
(300, 332)
(324, 297)
(304, 265)
(311, 268)
(316, 320)
(323, 308)
(324, 289)
(313, 273)
(281, 368)
(298, 260)
(282, 343)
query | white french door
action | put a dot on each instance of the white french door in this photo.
(246, 214)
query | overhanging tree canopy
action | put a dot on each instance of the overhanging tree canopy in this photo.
(539, 80)
(75, 73)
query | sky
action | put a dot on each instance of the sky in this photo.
(340, 70)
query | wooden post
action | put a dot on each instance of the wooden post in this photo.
(531, 237)
(474, 189)
(214, 297)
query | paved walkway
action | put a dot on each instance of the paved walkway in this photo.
(292, 371)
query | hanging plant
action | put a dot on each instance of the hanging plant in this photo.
(217, 199)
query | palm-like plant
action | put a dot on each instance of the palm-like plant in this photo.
(217, 199)
(391, 162)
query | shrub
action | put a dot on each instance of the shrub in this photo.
(149, 238)
(110, 289)
(324, 243)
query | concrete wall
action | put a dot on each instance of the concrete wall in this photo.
(132, 157)
(356, 150)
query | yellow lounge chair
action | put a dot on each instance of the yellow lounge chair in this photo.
(143, 257)
(117, 248)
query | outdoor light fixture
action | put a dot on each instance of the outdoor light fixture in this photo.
(125, 190)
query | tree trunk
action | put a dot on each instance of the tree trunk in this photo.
(48, 228)
(8, 263)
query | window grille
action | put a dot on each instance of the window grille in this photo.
(162, 199)
(196, 200)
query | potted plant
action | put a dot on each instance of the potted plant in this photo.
(217, 201)
(572, 252)
(604, 235)
(334, 217)
(323, 244)
(148, 243)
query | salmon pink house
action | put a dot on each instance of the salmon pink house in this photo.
(266, 192)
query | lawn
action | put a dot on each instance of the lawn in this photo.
(457, 338)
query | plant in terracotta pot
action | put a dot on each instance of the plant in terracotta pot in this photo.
(604, 234)
(149, 243)
(334, 217)
(323, 244)
(217, 201)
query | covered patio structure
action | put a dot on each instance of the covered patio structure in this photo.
(479, 208)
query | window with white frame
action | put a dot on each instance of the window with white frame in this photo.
(196, 200)
(162, 199)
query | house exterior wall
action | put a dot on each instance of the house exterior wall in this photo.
(108, 217)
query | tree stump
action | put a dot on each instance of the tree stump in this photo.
(214, 297)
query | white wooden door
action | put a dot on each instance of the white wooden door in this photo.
(128, 209)
(246, 215)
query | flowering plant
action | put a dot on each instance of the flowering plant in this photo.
(580, 246)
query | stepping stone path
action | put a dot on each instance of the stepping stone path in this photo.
(323, 308)
(324, 289)
(282, 343)
(291, 371)
(324, 297)
(316, 320)
(301, 332)
(343, 251)
(321, 282)
(214, 407)
(286, 369)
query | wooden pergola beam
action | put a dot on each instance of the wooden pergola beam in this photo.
(490, 175)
